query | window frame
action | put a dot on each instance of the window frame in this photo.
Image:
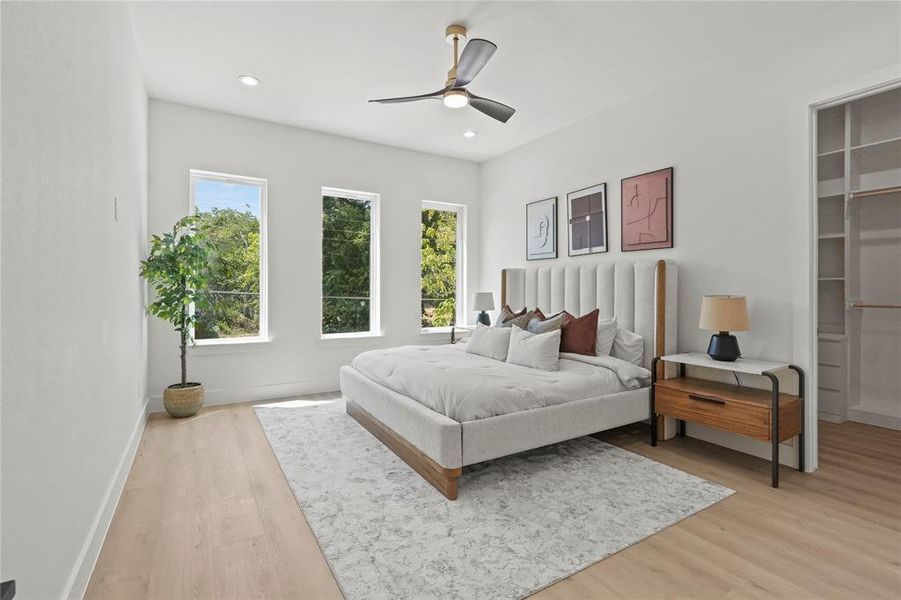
(263, 335)
(459, 262)
(375, 321)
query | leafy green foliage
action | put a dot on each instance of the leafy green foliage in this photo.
(346, 230)
(439, 268)
(234, 274)
(177, 270)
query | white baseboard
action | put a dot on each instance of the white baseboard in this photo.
(260, 392)
(872, 418)
(78, 580)
(831, 418)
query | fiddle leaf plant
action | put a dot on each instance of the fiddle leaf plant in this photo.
(177, 268)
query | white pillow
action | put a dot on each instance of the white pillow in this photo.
(628, 346)
(606, 335)
(536, 350)
(492, 342)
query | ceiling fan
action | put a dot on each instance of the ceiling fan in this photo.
(475, 56)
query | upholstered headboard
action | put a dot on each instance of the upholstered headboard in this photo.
(642, 296)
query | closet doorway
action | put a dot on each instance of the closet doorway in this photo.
(858, 260)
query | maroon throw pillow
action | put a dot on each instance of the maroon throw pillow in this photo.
(539, 315)
(580, 335)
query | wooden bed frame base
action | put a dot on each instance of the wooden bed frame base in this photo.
(445, 480)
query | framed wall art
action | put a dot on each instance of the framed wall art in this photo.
(541, 229)
(647, 211)
(587, 220)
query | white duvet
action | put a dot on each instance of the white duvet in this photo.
(467, 386)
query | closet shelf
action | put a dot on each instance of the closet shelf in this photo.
(830, 153)
(831, 278)
(831, 236)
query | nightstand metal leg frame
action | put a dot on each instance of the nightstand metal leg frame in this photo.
(774, 422)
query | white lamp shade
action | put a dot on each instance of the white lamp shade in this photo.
(724, 313)
(483, 301)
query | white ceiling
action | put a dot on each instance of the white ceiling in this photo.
(556, 63)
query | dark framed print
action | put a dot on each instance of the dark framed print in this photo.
(647, 211)
(587, 220)
(541, 229)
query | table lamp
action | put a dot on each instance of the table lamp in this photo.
(483, 301)
(724, 314)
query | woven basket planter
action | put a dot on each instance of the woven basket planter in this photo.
(183, 402)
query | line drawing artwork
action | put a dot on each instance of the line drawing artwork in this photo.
(652, 209)
(540, 233)
(542, 229)
(647, 204)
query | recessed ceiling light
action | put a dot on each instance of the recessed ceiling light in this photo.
(469, 133)
(249, 80)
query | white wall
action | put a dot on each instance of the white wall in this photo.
(738, 142)
(74, 121)
(297, 164)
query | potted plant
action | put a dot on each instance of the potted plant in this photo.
(177, 270)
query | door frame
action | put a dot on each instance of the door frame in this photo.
(842, 93)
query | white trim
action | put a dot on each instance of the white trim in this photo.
(196, 174)
(375, 262)
(259, 393)
(233, 341)
(460, 260)
(237, 345)
(80, 576)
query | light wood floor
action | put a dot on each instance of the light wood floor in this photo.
(206, 513)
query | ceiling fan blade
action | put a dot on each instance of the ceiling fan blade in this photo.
(492, 108)
(475, 56)
(437, 94)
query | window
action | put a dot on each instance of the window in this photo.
(443, 261)
(350, 262)
(232, 212)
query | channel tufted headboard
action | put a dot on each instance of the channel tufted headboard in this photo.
(642, 296)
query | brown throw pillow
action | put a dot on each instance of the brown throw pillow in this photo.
(506, 316)
(580, 335)
(538, 314)
(521, 321)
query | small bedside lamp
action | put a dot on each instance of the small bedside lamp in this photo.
(483, 301)
(724, 314)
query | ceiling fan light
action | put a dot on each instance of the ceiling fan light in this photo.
(456, 99)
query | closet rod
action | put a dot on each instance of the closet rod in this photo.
(878, 192)
(868, 305)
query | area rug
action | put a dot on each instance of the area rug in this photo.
(520, 524)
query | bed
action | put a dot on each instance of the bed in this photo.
(441, 409)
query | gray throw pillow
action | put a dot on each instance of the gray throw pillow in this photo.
(521, 321)
(508, 318)
(554, 323)
(506, 313)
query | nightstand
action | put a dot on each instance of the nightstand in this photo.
(765, 415)
(456, 330)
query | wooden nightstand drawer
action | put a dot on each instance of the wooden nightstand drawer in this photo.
(716, 412)
(742, 410)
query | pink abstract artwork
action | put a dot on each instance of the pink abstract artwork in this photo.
(647, 211)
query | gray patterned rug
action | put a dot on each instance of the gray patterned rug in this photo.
(520, 524)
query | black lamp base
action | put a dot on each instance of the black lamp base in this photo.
(723, 346)
(484, 319)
